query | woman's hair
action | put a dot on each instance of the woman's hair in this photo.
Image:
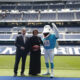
(34, 31)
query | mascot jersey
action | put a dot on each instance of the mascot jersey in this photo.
(50, 41)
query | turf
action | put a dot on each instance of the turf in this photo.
(60, 62)
(65, 66)
(58, 73)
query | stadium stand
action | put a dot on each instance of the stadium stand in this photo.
(40, 6)
(4, 36)
(48, 16)
(30, 16)
(13, 16)
(5, 29)
(42, 16)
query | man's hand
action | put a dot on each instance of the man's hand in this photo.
(22, 48)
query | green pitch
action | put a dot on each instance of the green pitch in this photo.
(65, 66)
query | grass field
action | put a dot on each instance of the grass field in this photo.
(65, 66)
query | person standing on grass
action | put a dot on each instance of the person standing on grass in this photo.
(49, 42)
(35, 54)
(22, 49)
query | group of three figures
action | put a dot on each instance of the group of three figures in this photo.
(25, 45)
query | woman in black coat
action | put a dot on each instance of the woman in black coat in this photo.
(35, 54)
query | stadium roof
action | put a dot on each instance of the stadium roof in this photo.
(33, 0)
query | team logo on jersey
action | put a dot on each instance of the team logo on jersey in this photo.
(46, 43)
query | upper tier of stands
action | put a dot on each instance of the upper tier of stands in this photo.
(36, 0)
(43, 16)
(25, 7)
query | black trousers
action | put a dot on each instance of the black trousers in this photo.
(17, 60)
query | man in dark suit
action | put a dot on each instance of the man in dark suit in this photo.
(22, 48)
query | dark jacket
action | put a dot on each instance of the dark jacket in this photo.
(20, 42)
(35, 40)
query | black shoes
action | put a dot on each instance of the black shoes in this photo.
(22, 74)
(15, 74)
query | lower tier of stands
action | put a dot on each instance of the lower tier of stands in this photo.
(62, 36)
(40, 29)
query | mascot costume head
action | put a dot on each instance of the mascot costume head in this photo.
(47, 31)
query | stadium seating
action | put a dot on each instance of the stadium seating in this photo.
(40, 29)
(72, 36)
(5, 36)
(73, 6)
(30, 16)
(41, 7)
(23, 8)
(12, 16)
(48, 16)
(62, 15)
(58, 6)
(30, 6)
(61, 36)
(5, 29)
(78, 15)
(69, 29)
(66, 16)
(8, 7)
(14, 36)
